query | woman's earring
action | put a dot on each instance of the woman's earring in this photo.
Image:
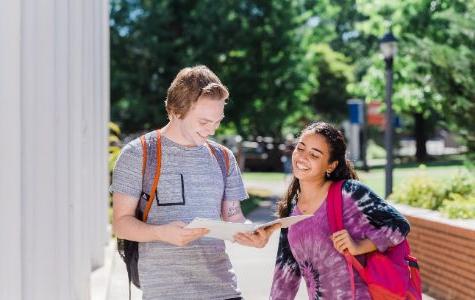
(328, 174)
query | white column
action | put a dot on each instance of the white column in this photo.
(80, 263)
(97, 126)
(101, 109)
(62, 184)
(105, 95)
(104, 71)
(53, 114)
(10, 153)
(42, 274)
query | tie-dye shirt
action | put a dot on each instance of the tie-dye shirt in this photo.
(306, 250)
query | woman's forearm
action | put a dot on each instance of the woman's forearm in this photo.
(365, 246)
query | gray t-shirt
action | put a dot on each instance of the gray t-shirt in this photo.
(191, 185)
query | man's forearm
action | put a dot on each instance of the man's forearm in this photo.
(238, 218)
(231, 212)
(130, 228)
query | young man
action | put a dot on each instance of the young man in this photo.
(177, 262)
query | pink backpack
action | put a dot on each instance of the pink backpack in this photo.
(390, 275)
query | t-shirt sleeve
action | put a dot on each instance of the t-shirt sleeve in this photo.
(127, 173)
(368, 216)
(234, 186)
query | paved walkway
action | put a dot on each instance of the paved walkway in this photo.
(254, 267)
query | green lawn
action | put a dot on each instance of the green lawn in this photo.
(264, 176)
(375, 178)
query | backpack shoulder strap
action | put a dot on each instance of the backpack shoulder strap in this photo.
(158, 151)
(335, 222)
(225, 152)
(335, 207)
(222, 156)
(144, 154)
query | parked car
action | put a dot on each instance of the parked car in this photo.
(262, 155)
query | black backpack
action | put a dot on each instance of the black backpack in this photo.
(129, 250)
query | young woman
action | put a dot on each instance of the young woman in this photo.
(308, 249)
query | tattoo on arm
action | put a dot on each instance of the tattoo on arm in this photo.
(233, 210)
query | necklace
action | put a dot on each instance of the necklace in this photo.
(309, 207)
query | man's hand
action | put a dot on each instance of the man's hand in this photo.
(258, 238)
(174, 233)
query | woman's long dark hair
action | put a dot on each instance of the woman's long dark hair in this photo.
(336, 144)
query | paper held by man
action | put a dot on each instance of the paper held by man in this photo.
(226, 230)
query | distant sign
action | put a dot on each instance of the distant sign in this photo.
(374, 115)
(356, 111)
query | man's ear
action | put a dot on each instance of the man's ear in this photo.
(173, 116)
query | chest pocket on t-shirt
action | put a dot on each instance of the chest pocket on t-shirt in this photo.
(171, 190)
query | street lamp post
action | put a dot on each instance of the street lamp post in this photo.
(389, 47)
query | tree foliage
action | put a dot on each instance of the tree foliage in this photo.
(253, 46)
(286, 62)
(451, 64)
(434, 68)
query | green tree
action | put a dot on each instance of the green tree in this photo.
(332, 45)
(417, 24)
(254, 47)
(451, 63)
(334, 72)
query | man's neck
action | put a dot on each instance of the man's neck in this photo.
(172, 132)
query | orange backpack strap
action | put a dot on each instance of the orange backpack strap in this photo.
(155, 179)
(222, 156)
(144, 156)
(226, 158)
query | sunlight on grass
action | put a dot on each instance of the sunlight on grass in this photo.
(263, 193)
(375, 179)
(264, 176)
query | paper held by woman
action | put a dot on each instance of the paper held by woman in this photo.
(226, 230)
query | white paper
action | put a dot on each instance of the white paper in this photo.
(226, 230)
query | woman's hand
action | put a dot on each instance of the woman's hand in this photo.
(342, 241)
(258, 238)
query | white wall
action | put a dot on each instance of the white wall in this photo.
(54, 105)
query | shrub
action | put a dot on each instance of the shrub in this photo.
(462, 184)
(114, 145)
(419, 192)
(459, 207)
(374, 151)
(454, 198)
